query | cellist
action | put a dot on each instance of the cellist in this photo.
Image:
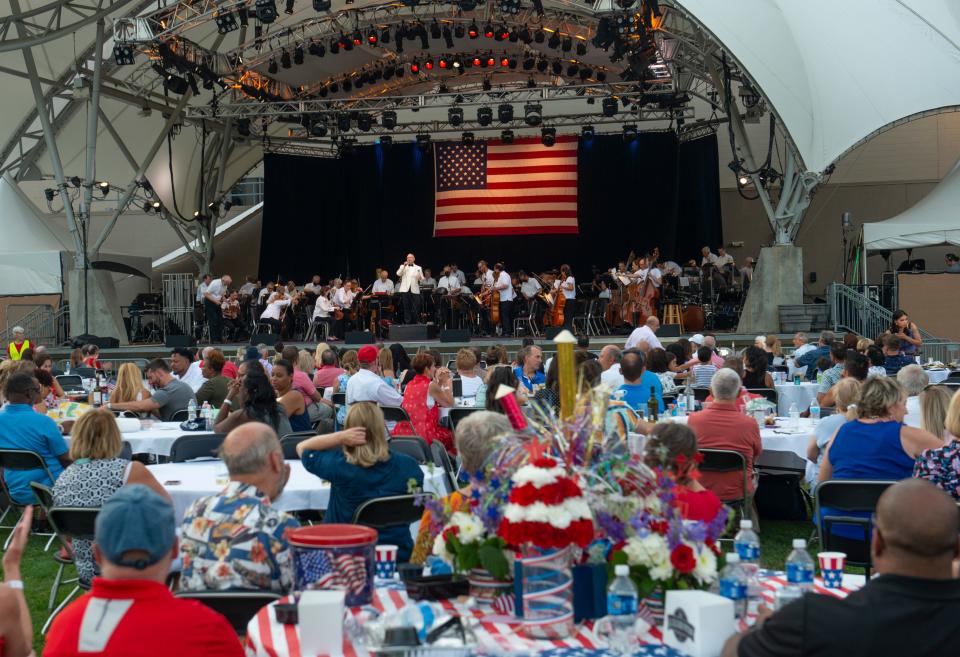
(504, 285)
(567, 285)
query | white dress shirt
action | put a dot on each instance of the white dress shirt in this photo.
(264, 294)
(367, 386)
(215, 290)
(486, 279)
(381, 286)
(343, 299)
(248, 288)
(323, 307)
(505, 286)
(529, 288)
(802, 349)
(612, 378)
(913, 416)
(428, 282)
(193, 377)
(409, 277)
(460, 277)
(571, 283)
(450, 283)
(654, 274)
(709, 259)
(671, 268)
(273, 308)
(643, 334)
(722, 260)
(469, 385)
(201, 291)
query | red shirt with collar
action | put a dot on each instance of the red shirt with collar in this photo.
(139, 617)
(229, 370)
(724, 426)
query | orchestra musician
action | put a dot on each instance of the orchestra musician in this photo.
(383, 284)
(450, 308)
(323, 312)
(485, 280)
(504, 285)
(459, 274)
(342, 302)
(567, 285)
(275, 304)
(409, 275)
(230, 307)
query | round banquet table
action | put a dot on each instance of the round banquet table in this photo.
(790, 393)
(187, 482)
(497, 634)
(156, 440)
(937, 376)
(782, 437)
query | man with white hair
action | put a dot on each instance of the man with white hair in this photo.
(801, 344)
(609, 360)
(646, 334)
(20, 344)
(213, 296)
(723, 426)
(914, 380)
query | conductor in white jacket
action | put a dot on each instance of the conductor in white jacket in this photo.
(409, 276)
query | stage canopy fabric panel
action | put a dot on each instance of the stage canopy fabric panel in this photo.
(836, 72)
(933, 221)
(369, 209)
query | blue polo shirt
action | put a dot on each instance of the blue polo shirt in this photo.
(637, 394)
(538, 378)
(21, 427)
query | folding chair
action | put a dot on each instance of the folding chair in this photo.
(195, 446)
(290, 441)
(848, 497)
(526, 321)
(180, 416)
(44, 497)
(395, 414)
(22, 459)
(386, 512)
(772, 464)
(239, 607)
(701, 394)
(73, 522)
(442, 460)
(84, 372)
(457, 414)
(726, 460)
(339, 399)
(413, 446)
(70, 383)
(770, 394)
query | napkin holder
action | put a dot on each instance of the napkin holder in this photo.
(589, 591)
(320, 614)
(697, 623)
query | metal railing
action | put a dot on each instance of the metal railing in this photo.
(42, 325)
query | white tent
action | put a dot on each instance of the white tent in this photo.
(933, 221)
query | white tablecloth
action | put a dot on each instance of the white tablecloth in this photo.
(157, 439)
(790, 393)
(186, 482)
(784, 437)
(937, 376)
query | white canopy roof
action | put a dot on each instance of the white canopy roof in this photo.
(933, 221)
(837, 72)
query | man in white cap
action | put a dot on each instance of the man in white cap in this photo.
(645, 335)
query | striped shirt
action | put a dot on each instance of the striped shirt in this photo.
(703, 374)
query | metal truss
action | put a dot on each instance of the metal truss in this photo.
(52, 21)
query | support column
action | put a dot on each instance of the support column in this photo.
(777, 280)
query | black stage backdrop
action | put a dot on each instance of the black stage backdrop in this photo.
(369, 209)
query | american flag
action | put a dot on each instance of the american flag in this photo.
(344, 570)
(492, 188)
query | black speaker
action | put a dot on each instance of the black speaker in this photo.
(668, 331)
(359, 337)
(172, 341)
(268, 339)
(413, 332)
(103, 343)
(455, 335)
(550, 332)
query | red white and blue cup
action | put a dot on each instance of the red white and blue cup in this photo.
(386, 561)
(831, 568)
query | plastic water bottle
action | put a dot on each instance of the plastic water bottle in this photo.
(422, 616)
(747, 545)
(622, 598)
(800, 566)
(733, 584)
(794, 416)
(206, 414)
(682, 405)
(192, 410)
(814, 410)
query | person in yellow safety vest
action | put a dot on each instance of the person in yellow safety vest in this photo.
(16, 348)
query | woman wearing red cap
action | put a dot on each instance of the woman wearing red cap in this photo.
(430, 389)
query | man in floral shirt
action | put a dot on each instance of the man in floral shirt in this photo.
(235, 540)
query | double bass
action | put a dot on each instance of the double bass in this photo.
(647, 304)
(490, 297)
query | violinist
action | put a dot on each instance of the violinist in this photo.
(275, 304)
(342, 302)
(449, 308)
(504, 285)
(567, 285)
(323, 310)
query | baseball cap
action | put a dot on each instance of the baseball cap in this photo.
(135, 518)
(697, 339)
(367, 354)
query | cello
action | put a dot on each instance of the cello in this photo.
(560, 304)
(648, 296)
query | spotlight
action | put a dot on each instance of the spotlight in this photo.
(587, 132)
(458, 31)
(484, 116)
(318, 128)
(123, 53)
(548, 136)
(567, 44)
(386, 141)
(533, 114)
(528, 63)
(572, 70)
(525, 35)
(423, 142)
(554, 41)
(316, 49)
(364, 122)
(334, 46)
(585, 73)
(473, 31)
(468, 138)
(104, 187)
(486, 84)
(539, 37)
(601, 76)
(385, 35)
(243, 127)
(467, 5)
(581, 48)
(505, 113)
(629, 133)
(476, 61)
(504, 62)
(556, 67)
(372, 37)
(488, 31)
(157, 206)
(298, 54)
(743, 180)
(443, 63)
(322, 5)
(428, 64)
(49, 194)
(609, 105)
(226, 21)
(227, 204)
(146, 207)
(458, 63)
(272, 67)
(357, 38)
(491, 61)
(506, 137)
(343, 121)
(389, 119)
(415, 66)
(422, 33)
(347, 84)
(542, 65)
(176, 84)
(455, 116)
(266, 11)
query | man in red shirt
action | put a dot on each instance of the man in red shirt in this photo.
(724, 426)
(326, 375)
(129, 610)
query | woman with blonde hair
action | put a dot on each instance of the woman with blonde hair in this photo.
(360, 466)
(350, 364)
(97, 472)
(305, 362)
(845, 395)
(10, 367)
(772, 347)
(318, 354)
(934, 404)
(941, 466)
(385, 361)
(129, 385)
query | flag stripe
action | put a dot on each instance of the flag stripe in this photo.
(559, 189)
(515, 214)
(500, 222)
(484, 200)
(546, 168)
(526, 184)
(512, 230)
(559, 153)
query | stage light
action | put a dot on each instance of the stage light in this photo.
(587, 132)
(298, 54)
(743, 180)
(556, 67)
(514, 36)
(486, 85)
(422, 33)
(455, 116)
(506, 137)
(385, 140)
(104, 187)
(226, 21)
(423, 142)
(357, 38)
(435, 31)
(491, 61)
(157, 206)
(447, 36)
(567, 44)
(629, 133)
(572, 70)
(75, 181)
(484, 116)
(428, 64)
(468, 138)
(488, 31)
(467, 5)
(531, 83)
(601, 76)
(525, 35)
(399, 71)
(473, 31)
(146, 206)
(385, 35)
(334, 46)
(443, 63)
(609, 105)
(505, 113)
(272, 67)
(458, 31)
(581, 48)
(192, 82)
(458, 63)
(334, 87)
(548, 136)
(243, 127)
(539, 36)
(244, 15)
(176, 84)
(476, 61)
(316, 49)
(504, 62)
(322, 5)
(533, 114)
(227, 204)
(528, 63)
(346, 43)
(364, 122)
(542, 65)
(318, 128)
(266, 11)
(585, 73)
(49, 194)
(347, 84)
(372, 37)
(124, 54)
(415, 66)
(343, 121)
(554, 41)
(289, 7)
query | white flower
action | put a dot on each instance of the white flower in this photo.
(470, 528)
(556, 515)
(440, 549)
(652, 504)
(706, 569)
(539, 477)
(651, 552)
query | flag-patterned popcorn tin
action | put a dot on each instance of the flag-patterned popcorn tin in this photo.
(335, 557)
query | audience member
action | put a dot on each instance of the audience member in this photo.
(315, 406)
(327, 370)
(16, 629)
(214, 388)
(894, 358)
(251, 398)
(236, 538)
(704, 370)
(497, 355)
(129, 385)
(609, 360)
(664, 364)
(548, 397)
(743, 398)
(914, 380)
(91, 357)
(941, 465)
(387, 372)
(22, 428)
(528, 371)
(430, 389)
(838, 354)
(645, 334)
(129, 609)
(290, 399)
(43, 361)
(97, 472)
(772, 347)
(638, 383)
(499, 375)
(710, 341)
(909, 609)
(755, 374)
(366, 384)
(809, 358)
(359, 466)
(801, 345)
(673, 447)
(583, 346)
(477, 436)
(845, 395)
(467, 372)
(722, 426)
(906, 331)
(169, 394)
(401, 361)
(934, 403)
(877, 360)
(855, 366)
(185, 368)
(18, 345)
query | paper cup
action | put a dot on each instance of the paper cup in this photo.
(831, 568)
(386, 561)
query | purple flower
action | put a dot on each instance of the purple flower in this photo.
(612, 526)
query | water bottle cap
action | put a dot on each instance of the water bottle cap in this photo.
(799, 543)
(746, 524)
(733, 557)
(621, 570)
